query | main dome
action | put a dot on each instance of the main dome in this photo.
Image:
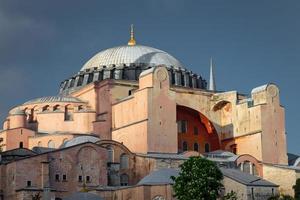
(131, 54)
(127, 62)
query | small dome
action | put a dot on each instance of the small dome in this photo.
(136, 54)
(53, 99)
(17, 111)
(83, 196)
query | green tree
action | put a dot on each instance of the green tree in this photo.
(297, 189)
(230, 196)
(36, 196)
(199, 179)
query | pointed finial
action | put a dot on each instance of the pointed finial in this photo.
(132, 41)
(212, 84)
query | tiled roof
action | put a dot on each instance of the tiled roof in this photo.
(245, 178)
(161, 176)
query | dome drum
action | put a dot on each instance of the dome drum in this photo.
(178, 77)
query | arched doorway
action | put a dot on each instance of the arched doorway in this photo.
(195, 128)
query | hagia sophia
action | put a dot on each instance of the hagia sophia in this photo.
(121, 126)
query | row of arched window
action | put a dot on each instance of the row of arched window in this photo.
(68, 112)
(195, 147)
(51, 143)
(124, 158)
(58, 108)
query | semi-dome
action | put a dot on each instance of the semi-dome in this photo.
(132, 54)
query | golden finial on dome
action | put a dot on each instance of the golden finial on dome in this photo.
(131, 42)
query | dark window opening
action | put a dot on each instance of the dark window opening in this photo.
(124, 180)
(80, 80)
(79, 178)
(182, 79)
(88, 179)
(184, 146)
(21, 145)
(64, 177)
(196, 147)
(28, 183)
(56, 177)
(173, 77)
(207, 148)
(182, 126)
(90, 78)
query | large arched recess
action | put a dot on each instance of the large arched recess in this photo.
(199, 130)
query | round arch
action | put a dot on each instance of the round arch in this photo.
(195, 127)
(254, 164)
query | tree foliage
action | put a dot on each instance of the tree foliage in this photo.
(36, 196)
(199, 179)
(230, 196)
(297, 189)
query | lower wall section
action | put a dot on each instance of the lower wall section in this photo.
(284, 177)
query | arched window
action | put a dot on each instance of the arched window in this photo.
(196, 147)
(246, 167)
(45, 108)
(51, 144)
(80, 107)
(110, 152)
(124, 179)
(184, 146)
(31, 117)
(207, 148)
(68, 113)
(56, 108)
(21, 145)
(124, 161)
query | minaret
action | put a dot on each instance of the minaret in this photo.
(132, 41)
(212, 84)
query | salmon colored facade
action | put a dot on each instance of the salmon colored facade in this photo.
(150, 110)
(140, 101)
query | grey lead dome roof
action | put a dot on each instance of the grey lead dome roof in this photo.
(137, 54)
(54, 99)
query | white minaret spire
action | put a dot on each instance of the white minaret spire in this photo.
(212, 84)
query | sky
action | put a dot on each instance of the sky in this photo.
(252, 43)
